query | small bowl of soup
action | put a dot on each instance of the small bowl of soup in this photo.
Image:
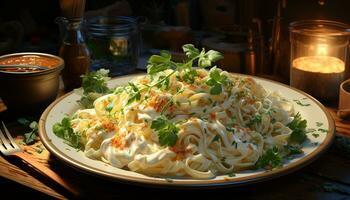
(29, 82)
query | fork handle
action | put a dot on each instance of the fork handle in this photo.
(47, 171)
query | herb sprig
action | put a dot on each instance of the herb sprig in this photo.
(94, 85)
(65, 131)
(216, 81)
(162, 62)
(167, 131)
(29, 137)
(270, 159)
(300, 103)
(298, 126)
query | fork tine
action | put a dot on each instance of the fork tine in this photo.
(13, 142)
(2, 148)
(4, 140)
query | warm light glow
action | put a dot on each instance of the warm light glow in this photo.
(320, 64)
(322, 50)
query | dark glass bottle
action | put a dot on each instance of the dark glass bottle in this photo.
(75, 54)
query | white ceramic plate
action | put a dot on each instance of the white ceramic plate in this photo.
(313, 113)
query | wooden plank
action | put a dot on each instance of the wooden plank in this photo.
(13, 172)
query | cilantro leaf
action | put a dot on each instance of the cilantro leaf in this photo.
(158, 63)
(216, 89)
(270, 159)
(95, 82)
(301, 103)
(213, 56)
(159, 123)
(254, 119)
(323, 130)
(94, 85)
(206, 59)
(29, 137)
(155, 68)
(167, 131)
(298, 127)
(190, 51)
(164, 85)
(189, 75)
(162, 62)
(216, 81)
(134, 93)
(65, 131)
(319, 124)
(168, 137)
(293, 149)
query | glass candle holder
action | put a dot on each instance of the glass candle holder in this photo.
(319, 51)
(114, 43)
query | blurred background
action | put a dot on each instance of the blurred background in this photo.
(245, 31)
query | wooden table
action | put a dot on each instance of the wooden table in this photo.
(326, 178)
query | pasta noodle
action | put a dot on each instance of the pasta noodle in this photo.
(217, 134)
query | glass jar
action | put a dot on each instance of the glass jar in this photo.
(113, 43)
(319, 56)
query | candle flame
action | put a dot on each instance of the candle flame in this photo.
(320, 64)
(322, 50)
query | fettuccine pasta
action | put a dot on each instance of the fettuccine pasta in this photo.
(208, 134)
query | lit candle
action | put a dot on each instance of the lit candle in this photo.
(319, 51)
(318, 75)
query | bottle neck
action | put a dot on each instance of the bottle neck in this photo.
(73, 32)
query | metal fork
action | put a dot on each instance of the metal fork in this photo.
(9, 147)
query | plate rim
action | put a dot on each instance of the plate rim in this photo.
(235, 181)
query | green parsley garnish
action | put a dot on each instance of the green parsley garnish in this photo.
(319, 124)
(270, 159)
(132, 90)
(134, 93)
(162, 62)
(190, 76)
(293, 149)
(95, 81)
(323, 130)
(30, 137)
(310, 130)
(65, 131)
(301, 103)
(298, 127)
(205, 59)
(94, 85)
(167, 131)
(254, 120)
(216, 81)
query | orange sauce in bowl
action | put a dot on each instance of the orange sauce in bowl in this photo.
(21, 69)
(34, 60)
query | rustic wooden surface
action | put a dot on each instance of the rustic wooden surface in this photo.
(326, 178)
